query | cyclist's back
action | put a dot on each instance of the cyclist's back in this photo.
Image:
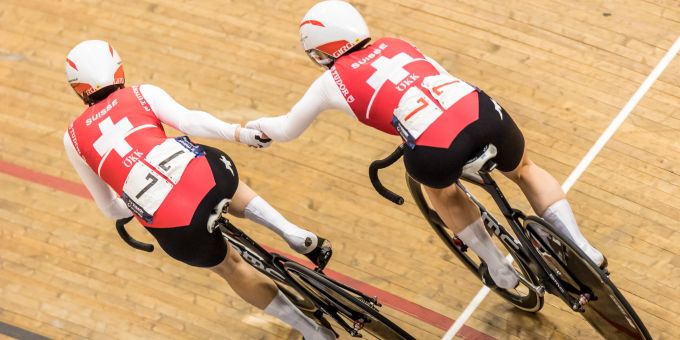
(121, 138)
(391, 74)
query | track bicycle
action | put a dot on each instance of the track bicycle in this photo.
(547, 260)
(311, 291)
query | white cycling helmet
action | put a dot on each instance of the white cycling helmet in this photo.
(93, 65)
(330, 29)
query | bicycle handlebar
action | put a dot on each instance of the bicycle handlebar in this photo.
(120, 226)
(375, 180)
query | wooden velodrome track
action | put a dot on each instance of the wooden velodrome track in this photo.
(563, 69)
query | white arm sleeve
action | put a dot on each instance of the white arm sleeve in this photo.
(191, 122)
(105, 198)
(322, 95)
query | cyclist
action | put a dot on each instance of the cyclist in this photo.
(175, 188)
(391, 86)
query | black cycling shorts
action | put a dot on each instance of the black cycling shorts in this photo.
(193, 244)
(441, 167)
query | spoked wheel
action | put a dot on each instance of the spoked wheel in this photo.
(354, 311)
(594, 295)
(521, 297)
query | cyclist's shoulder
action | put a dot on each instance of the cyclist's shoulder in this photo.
(148, 90)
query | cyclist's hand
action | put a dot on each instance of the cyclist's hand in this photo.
(254, 124)
(253, 138)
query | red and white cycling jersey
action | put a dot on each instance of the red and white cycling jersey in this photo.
(391, 83)
(386, 85)
(161, 179)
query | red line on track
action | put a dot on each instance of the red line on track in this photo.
(405, 306)
(60, 184)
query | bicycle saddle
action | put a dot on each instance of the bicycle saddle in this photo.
(221, 208)
(473, 166)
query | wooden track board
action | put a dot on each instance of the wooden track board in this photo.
(563, 69)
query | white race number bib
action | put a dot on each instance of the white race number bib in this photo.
(447, 89)
(147, 186)
(416, 111)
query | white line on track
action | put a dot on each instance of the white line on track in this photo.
(581, 168)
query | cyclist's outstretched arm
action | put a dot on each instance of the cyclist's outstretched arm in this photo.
(197, 123)
(107, 200)
(321, 96)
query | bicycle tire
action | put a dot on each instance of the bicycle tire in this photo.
(531, 302)
(608, 311)
(375, 323)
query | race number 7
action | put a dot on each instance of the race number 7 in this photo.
(422, 105)
(153, 179)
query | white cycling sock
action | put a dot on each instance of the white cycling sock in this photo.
(477, 238)
(560, 216)
(259, 211)
(283, 309)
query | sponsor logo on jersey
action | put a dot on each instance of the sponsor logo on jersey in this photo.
(140, 98)
(132, 158)
(341, 85)
(74, 139)
(101, 112)
(407, 82)
(376, 52)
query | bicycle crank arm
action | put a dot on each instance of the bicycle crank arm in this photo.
(540, 290)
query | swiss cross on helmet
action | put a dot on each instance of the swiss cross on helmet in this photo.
(91, 66)
(330, 29)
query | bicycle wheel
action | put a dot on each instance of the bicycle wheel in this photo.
(355, 311)
(600, 302)
(305, 305)
(521, 297)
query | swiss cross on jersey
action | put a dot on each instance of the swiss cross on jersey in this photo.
(162, 180)
(392, 87)
(113, 137)
(106, 134)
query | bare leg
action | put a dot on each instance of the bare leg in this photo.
(251, 285)
(453, 206)
(463, 218)
(244, 195)
(549, 201)
(539, 186)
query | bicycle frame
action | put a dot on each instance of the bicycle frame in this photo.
(270, 264)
